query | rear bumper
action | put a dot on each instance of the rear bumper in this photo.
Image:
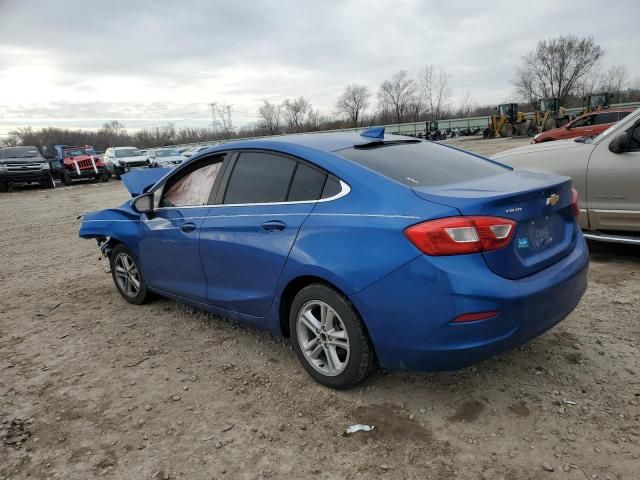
(409, 312)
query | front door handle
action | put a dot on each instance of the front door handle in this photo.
(188, 227)
(274, 226)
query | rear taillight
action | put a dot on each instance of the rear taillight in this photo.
(575, 208)
(461, 235)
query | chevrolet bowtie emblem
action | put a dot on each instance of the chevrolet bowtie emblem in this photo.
(553, 199)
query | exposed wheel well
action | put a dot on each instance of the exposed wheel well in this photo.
(289, 293)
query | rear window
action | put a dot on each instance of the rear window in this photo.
(422, 164)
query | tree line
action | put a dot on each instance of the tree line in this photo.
(566, 67)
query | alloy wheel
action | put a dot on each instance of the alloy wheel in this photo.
(323, 338)
(127, 275)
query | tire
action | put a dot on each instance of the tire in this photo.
(48, 183)
(354, 363)
(117, 172)
(104, 177)
(4, 186)
(66, 178)
(125, 271)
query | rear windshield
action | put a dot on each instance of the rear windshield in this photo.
(419, 164)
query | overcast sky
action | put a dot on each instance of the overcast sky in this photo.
(79, 63)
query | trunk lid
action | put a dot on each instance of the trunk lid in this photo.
(540, 203)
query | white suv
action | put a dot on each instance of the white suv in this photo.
(125, 159)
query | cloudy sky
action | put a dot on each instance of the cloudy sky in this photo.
(79, 63)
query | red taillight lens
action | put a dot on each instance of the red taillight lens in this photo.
(461, 235)
(575, 208)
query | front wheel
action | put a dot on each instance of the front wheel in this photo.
(329, 337)
(66, 178)
(48, 183)
(104, 177)
(127, 275)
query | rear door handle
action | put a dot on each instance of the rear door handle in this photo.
(188, 227)
(274, 226)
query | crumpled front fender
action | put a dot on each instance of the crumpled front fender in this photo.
(119, 224)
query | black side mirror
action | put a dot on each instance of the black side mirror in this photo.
(620, 143)
(143, 203)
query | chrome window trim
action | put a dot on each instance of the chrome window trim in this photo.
(345, 189)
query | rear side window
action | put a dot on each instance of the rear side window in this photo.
(259, 178)
(308, 183)
(608, 117)
(423, 164)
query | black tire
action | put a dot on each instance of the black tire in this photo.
(4, 186)
(142, 295)
(66, 178)
(48, 183)
(117, 172)
(104, 177)
(361, 360)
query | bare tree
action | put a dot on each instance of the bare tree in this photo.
(222, 123)
(270, 114)
(397, 94)
(295, 112)
(353, 102)
(436, 90)
(468, 104)
(614, 79)
(557, 67)
(113, 130)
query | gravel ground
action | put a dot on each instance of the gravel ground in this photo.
(92, 387)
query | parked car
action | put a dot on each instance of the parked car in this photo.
(365, 249)
(74, 163)
(24, 165)
(587, 125)
(606, 173)
(125, 159)
(165, 157)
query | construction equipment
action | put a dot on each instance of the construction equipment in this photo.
(595, 101)
(550, 115)
(508, 122)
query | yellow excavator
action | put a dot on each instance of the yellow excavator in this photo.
(595, 101)
(508, 121)
(550, 115)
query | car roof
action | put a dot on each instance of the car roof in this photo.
(120, 148)
(326, 142)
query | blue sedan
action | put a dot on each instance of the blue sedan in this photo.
(365, 249)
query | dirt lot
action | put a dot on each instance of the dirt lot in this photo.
(92, 387)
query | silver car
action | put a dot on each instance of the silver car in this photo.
(605, 172)
(165, 157)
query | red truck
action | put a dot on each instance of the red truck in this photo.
(79, 162)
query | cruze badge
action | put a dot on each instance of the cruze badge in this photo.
(553, 199)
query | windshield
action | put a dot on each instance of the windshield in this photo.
(422, 163)
(19, 152)
(76, 152)
(128, 152)
(167, 153)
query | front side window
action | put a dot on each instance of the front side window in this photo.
(583, 122)
(192, 186)
(634, 141)
(259, 177)
(604, 118)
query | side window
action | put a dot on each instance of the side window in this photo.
(307, 184)
(259, 177)
(608, 117)
(583, 122)
(193, 185)
(331, 188)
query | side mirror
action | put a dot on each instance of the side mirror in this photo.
(620, 143)
(143, 203)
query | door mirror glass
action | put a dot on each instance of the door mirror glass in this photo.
(620, 143)
(143, 203)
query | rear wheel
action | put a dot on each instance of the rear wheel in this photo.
(127, 275)
(329, 337)
(104, 177)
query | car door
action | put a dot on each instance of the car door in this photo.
(169, 237)
(612, 185)
(246, 239)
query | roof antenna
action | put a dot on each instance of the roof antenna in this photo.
(374, 132)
